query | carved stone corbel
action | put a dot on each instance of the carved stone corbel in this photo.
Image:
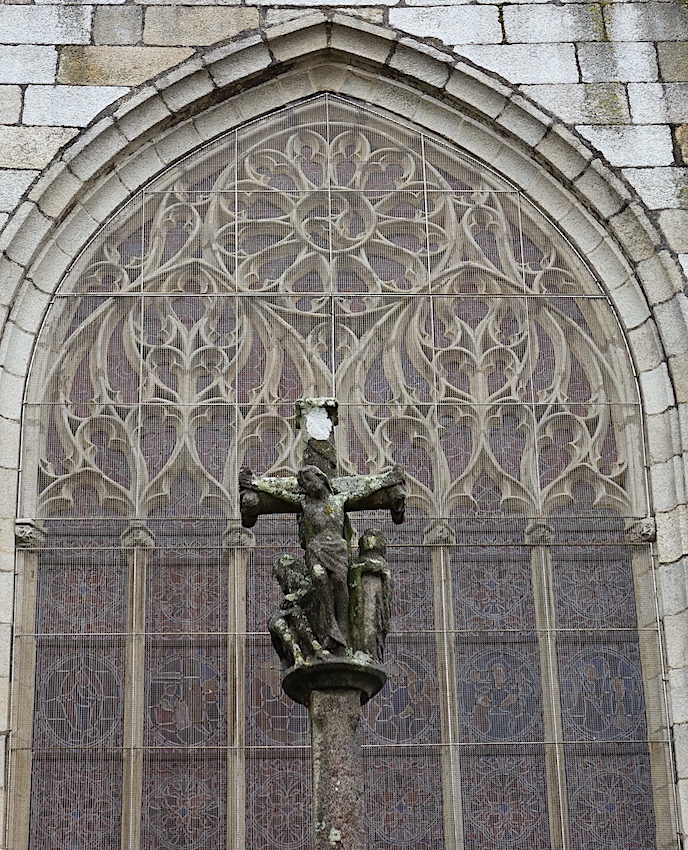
(28, 534)
(643, 530)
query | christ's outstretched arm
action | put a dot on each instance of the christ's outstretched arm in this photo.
(267, 495)
(385, 491)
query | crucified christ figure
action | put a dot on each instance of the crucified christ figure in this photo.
(325, 533)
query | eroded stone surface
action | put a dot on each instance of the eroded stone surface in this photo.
(337, 770)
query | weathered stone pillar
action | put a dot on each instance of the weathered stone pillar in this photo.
(338, 816)
(334, 692)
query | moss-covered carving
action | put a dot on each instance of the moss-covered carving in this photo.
(335, 606)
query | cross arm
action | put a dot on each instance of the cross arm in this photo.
(386, 491)
(267, 495)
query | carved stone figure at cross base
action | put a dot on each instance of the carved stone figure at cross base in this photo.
(370, 594)
(335, 608)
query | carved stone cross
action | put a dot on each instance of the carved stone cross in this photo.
(332, 623)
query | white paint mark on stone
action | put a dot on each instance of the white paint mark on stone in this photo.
(335, 836)
(318, 423)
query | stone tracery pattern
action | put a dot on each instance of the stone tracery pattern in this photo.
(334, 232)
(339, 254)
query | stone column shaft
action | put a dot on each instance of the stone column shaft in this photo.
(338, 822)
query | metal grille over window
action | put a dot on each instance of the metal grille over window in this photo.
(328, 250)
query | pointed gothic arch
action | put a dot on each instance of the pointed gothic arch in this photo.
(141, 542)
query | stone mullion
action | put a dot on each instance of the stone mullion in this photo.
(137, 541)
(539, 537)
(439, 537)
(30, 539)
(237, 544)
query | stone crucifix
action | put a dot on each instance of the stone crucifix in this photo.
(330, 628)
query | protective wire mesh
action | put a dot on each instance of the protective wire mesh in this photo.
(325, 251)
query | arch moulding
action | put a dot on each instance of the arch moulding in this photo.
(224, 87)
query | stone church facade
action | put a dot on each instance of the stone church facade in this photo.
(469, 223)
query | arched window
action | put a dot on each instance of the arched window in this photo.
(329, 250)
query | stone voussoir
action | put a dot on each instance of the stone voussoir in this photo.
(662, 436)
(420, 66)
(646, 346)
(177, 141)
(296, 38)
(56, 189)
(515, 166)
(444, 56)
(142, 118)
(329, 76)
(257, 100)
(672, 321)
(396, 95)
(295, 85)
(601, 190)
(244, 58)
(661, 277)
(76, 230)
(24, 233)
(611, 264)
(219, 119)
(140, 167)
(477, 140)
(187, 91)
(95, 149)
(551, 197)
(471, 86)
(179, 73)
(441, 118)
(656, 390)
(361, 38)
(16, 349)
(635, 232)
(101, 201)
(582, 230)
(11, 275)
(564, 152)
(525, 121)
(631, 305)
(47, 270)
(11, 388)
(678, 369)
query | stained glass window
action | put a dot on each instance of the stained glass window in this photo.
(330, 250)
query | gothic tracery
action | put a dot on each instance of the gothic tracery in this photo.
(329, 251)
